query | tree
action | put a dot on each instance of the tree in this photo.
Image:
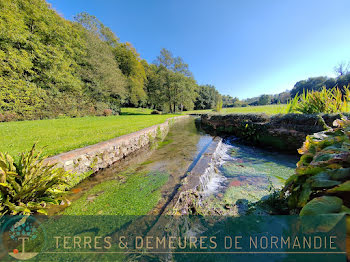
(133, 69)
(99, 69)
(264, 100)
(207, 97)
(39, 54)
(342, 68)
(175, 82)
(155, 98)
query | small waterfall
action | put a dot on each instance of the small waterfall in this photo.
(212, 180)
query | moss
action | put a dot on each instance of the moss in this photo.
(136, 195)
(94, 162)
(165, 142)
(159, 134)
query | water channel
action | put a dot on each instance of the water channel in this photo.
(241, 173)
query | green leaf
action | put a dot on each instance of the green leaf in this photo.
(339, 174)
(322, 205)
(304, 195)
(42, 211)
(345, 209)
(323, 157)
(345, 187)
(322, 180)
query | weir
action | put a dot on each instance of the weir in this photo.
(217, 171)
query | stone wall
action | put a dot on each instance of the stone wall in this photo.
(192, 185)
(282, 132)
(98, 156)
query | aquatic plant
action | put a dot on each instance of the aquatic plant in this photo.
(322, 101)
(28, 185)
(321, 183)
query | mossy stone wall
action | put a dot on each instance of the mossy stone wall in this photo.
(281, 132)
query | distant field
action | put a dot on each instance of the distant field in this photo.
(268, 109)
(61, 135)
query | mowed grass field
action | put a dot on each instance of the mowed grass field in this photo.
(55, 136)
(268, 109)
(61, 135)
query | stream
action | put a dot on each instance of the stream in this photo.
(239, 174)
(173, 157)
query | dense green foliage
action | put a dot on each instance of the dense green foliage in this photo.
(171, 86)
(28, 185)
(321, 183)
(317, 83)
(323, 101)
(52, 67)
(264, 100)
(207, 97)
(38, 60)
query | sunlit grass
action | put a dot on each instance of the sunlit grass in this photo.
(268, 109)
(62, 135)
(135, 111)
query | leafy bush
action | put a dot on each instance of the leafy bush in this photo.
(29, 185)
(8, 116)
(107, 112)
(323, 101)
(156, 112)
(323, 173)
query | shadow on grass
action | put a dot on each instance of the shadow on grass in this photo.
(132, 113)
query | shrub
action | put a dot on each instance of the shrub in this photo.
(107, 112)
(322, 178)
(29, 185)
(323, 101)
(156, 112)
(8, 116)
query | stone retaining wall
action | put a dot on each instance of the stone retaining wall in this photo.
(282, 132)
(190, 190)
(98, 156)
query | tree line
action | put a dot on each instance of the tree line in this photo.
(311, 84)
(51, 67)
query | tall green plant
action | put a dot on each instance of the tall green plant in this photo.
(323, 101)
(29, 185)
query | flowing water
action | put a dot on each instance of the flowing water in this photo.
(237, 174)
(241, 175)
(173, 157)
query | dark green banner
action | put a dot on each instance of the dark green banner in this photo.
(173, 238)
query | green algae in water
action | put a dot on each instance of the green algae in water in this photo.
(165, 142)
(128, 194)
(253, 174)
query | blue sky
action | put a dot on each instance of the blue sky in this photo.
(244, 48)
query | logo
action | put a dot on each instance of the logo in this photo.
(23, 237)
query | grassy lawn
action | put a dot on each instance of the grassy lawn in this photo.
(135, 111)
(61, 135)
(268, 109)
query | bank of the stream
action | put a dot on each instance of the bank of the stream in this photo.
(146, 181)
(142, 182)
